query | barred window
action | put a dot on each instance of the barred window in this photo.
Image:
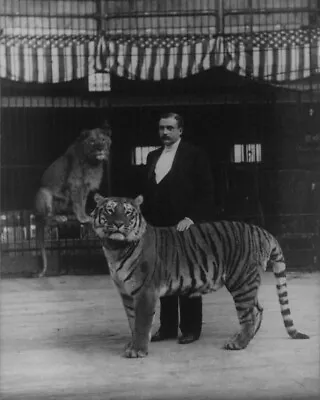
(140, 153)
(247, 153)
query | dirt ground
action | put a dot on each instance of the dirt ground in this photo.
(62, 338)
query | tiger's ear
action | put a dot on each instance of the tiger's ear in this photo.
(138, 200)
(98, 198)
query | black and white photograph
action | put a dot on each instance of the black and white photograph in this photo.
(159, 199)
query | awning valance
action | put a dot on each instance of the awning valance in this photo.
(157, 58)
(275, 56)
(278, 57)
(46, 58)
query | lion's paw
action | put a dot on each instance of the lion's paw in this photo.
(61, 219)
(131, 352)
(85, 219)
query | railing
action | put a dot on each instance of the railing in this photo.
(301, 249)
(18, 235)
(18, 230)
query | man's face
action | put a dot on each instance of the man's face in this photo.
(169, 131)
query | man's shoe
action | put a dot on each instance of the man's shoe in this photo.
(188, 338)
(159, 336)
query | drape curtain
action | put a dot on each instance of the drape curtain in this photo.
(277, 57)
(46, 58)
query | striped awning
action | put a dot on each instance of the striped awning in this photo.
(278, 56)
(157, 58)
(46, 58)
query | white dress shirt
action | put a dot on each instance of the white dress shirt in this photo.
(165, 161)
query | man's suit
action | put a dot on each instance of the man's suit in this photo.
(186, 191)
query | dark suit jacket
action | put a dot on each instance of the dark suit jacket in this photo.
(186, 191)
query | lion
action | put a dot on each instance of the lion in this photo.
(67, 182)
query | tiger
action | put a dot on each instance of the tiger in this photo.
(147, 262)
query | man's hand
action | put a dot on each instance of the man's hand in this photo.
(184, 224)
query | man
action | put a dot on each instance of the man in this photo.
(178, 192)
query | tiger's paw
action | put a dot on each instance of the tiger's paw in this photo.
(237, 342)
(131, 352)
(241, 339)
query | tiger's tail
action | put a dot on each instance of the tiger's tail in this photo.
(279, 270)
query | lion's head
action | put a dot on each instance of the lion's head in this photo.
(118, 218)
(96, 143)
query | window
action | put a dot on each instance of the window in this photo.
(246, 153)
(139, 156)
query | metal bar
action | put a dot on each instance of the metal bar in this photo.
(289, 98)
(49, 16)
(99, 12)
(160, 14)
(310, 80)
(20, 166)
(279, 10)
(194, 13)
(250, 16)
(47, 102)
(221, 14)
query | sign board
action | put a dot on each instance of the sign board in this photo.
(99, 82)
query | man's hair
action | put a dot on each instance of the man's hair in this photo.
(176, 116)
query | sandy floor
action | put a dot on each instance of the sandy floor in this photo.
(62, 338)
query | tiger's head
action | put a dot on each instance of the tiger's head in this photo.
(118, 218)
(96, 144)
